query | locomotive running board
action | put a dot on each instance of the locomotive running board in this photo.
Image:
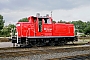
(50, 36)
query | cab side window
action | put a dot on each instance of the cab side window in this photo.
(47, 21)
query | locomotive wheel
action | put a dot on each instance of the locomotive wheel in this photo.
(39, 44)
(60, 43)
(52, 43)
(35, 44)
(23, 45)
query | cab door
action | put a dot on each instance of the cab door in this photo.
(39, 27)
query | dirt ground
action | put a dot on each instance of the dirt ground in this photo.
(4, 40)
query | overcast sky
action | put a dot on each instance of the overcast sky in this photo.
(67, 10)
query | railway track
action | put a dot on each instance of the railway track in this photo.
(36, 52)
(77, 57)
(16, 49)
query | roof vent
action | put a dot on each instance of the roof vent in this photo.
(47, 15)
(38, 15)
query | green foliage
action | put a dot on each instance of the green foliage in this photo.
(87, 30)
(54, 22)
(82, 27)
(5, 32)
(1, 22)
(11, 27)
(23, 20)
(61, 21)
(79, 25)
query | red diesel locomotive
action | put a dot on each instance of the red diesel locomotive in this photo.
(40, 31)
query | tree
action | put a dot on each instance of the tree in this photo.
(79, 25)
(1, 22)
(7, 30)
(53, 21)
(87, 30)
(61, 21)
(23, 20)
(87, 23)
(11, 27)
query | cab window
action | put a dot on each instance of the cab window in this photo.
(47, 21)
